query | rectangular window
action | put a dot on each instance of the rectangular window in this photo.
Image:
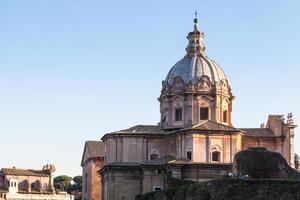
(225, 116)
(189, 155)
(178, 114)
(203, 113)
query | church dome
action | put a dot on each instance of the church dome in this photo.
(195, 63)
(191, 68)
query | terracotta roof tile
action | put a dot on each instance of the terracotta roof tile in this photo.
(258, 132)
(23, 172)
(95, 148)
(142, 129)
(210, 125)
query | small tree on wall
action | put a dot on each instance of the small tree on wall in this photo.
(296, 160)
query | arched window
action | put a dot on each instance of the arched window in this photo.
(38, 185)
(25, 185)
(216, 156)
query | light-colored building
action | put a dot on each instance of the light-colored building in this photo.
(29, 184)
(195, 139)
(92, 161)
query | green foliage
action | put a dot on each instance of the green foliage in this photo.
(77, 179)
(170, 193)
(176, 182)
(229, 189)
(62, 182)
(147, 196)
(76, 186)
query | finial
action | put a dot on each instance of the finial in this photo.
(290, 119)
(196, 22)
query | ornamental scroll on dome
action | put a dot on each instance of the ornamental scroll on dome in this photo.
(222, 86)
(204, 84)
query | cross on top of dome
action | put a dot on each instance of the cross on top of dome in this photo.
(196, 22)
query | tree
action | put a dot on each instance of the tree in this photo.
(297, 160)
(76, 186)
(62, 182)
(78, 180)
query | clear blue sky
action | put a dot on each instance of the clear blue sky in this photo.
(72, 70)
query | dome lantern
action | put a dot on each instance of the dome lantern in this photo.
(196, 41)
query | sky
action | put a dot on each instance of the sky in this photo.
(72, 70)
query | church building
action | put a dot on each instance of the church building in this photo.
(195, 139)
(30, 184)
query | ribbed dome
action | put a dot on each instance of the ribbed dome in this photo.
(195, 63)
(191, 68)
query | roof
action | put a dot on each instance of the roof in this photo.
(94, 148)
(206, 125)
(24, 172)
(278, 117)
(142, 129)
(191, 68)
(258, 132)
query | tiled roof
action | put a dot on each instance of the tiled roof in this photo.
(211, 125)
(258, 132)
(142, 129)
(23, 172)
(278, 117)
(95, 148)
